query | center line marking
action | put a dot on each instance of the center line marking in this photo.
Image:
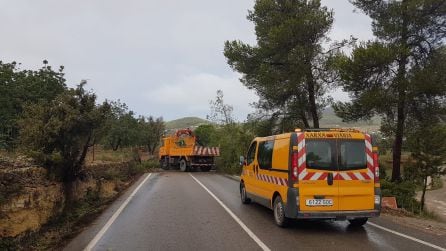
(407, 236)
(247, 230)
(110, 221)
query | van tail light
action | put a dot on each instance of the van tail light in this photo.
(376, 166)
(294, 168)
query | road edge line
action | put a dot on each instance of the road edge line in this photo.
(406, 236)
(237, 219)
(110, 221)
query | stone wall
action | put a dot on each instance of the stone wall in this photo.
(30, 199)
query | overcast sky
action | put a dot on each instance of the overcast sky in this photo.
(160, 57)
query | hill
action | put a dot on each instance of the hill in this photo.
(186, 122)
(329, 119)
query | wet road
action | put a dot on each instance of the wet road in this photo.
(202, 211)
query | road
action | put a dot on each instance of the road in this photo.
(202, 211)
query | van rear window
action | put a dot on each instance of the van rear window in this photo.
(352, 153)
(321, 154)
(335, 155)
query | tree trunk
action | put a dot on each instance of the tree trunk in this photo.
(398, 145)
(312, 97)
(115, 147)
(424, 192)
(401, 111)
(304, 119)
(152, 151)
(81, 159)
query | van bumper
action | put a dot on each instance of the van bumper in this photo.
(338, 215)
(292, 210)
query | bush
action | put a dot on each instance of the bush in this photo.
(136, 168)
(404, 193)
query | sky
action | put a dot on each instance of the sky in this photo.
(160, 57)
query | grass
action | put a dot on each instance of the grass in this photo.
(429, 215)
(8, 154)
(100, 155)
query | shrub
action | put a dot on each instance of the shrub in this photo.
(404, 193)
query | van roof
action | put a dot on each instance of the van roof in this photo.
(286, 135)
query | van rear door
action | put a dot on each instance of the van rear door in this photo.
(318, 190)
(355, 176)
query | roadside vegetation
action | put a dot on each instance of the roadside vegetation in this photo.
(66, 131)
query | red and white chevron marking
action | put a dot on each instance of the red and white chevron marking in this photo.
(369, 152)
(272, 179)
(210, 151)
(304, 174)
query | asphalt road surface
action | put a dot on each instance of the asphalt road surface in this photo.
(202, 211)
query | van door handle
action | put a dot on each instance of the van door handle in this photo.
(330, 179)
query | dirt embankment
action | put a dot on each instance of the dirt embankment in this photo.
(29, 198)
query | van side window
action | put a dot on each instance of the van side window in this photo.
(251, 153)
(265, 154)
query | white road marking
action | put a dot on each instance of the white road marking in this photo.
(407, 237)
(247, 230)
(110, 221)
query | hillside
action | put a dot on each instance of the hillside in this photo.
(185, 122)
(329, 119)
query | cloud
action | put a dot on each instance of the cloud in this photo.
(139, 51)
(191, 95)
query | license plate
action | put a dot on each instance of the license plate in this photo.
(319, 202)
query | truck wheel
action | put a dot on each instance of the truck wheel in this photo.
(358, 222)
(205, 168)
(243, 195)
(183, 165)
(165, 164)
(279, 213)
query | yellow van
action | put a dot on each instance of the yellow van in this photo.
(313, 174)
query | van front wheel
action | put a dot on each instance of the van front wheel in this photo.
(358, 222)
(243, 195)
(279, 213)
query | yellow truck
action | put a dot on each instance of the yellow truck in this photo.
(182, 150)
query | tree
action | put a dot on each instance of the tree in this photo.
(288, 68)
(18, 87)
(58, 133)
(206, 135)
(428, 146)
(381, 75)
(122, 127)
(221, 113)
(151, 132)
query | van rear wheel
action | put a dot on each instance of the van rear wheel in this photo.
(358, 222)
(243, 195)
(279, 213)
